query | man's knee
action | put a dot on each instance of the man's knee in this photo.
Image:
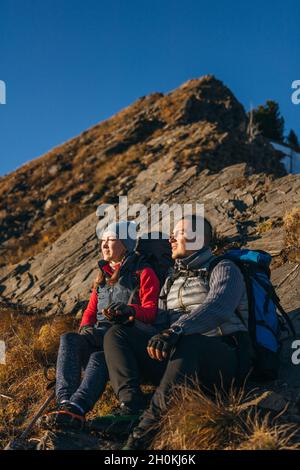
(193, 343)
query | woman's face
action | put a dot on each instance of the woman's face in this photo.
(112, 249)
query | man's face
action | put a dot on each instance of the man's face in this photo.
(112, 249)
(183, 233)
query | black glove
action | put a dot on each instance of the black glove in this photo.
(160, 345)
(118, 312)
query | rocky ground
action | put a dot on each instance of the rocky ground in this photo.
(246, 209)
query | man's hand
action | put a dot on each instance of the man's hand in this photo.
(118, 312)
(161, 344)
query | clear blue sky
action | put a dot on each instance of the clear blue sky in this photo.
(69, 64)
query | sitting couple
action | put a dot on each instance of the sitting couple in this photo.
(194, 327)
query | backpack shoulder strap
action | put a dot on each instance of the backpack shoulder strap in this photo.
(135, 290)
(167, 286)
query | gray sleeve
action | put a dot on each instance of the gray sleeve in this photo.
(226, 288)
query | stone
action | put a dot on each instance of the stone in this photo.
(53, 170)
(48, 204)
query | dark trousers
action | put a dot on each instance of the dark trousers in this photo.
(215, 362)
(79, 352)
(129, 363)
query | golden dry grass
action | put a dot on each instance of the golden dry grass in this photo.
(31, 344)
(261, 435)
(292, 228)
(228, 422)
(291, 223)
(265, 226)
(193, 421)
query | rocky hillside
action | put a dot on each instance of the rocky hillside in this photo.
(246, 209)
(191, 145)
(200, 124)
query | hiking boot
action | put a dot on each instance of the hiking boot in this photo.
(120, 421)
(138, 440)
(64, 416)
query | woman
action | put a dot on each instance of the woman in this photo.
(126, 291)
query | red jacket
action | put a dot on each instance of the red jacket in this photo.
(146, 309)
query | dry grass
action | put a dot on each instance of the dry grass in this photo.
(261, 435)
(46, 342)
(31, 343)
(291, 222)
(292, 228)
(228, 422)
(193, 421)
(265, 226)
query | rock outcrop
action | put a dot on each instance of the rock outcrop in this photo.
(246, 209)
(199, 124)
(190, 145)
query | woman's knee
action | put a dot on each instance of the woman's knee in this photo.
(97, 356)
(70, 338)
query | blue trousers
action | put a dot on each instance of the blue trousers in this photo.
(78, 353)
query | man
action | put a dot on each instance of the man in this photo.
(208, 339)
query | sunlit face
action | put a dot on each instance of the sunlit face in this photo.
(112, 249)
(183, 233)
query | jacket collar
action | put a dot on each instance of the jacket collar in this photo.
(194, 261)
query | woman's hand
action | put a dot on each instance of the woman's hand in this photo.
(86, 329)
(118, 312)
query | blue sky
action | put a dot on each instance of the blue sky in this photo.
(69, 64)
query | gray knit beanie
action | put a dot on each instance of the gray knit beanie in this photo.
(124, 230)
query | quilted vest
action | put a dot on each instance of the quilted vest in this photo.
(126, 290)
(187, 287)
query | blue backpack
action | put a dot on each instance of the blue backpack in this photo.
(267, 319)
